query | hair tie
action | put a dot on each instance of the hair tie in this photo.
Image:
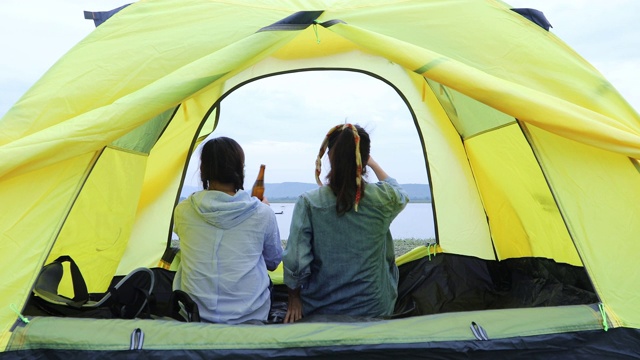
(323, 148)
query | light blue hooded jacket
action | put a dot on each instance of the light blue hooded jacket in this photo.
(227, 243)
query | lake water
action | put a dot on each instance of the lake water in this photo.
(415, 221)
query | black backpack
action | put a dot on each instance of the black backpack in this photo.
(127, 298)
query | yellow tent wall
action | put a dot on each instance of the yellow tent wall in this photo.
(76, 179)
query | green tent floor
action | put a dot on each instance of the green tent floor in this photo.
(115, 334)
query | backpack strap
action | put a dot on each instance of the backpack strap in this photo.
(183, 308)
(48, 281)
(131, 295)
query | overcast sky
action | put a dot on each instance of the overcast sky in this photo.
(36, 33)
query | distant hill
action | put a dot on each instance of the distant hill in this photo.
(418, 192)
(289, 191)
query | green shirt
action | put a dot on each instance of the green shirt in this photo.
(345, 265)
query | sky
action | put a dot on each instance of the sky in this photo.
(34, 34)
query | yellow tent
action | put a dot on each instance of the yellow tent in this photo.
(530, 152)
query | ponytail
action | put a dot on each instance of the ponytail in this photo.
(348, 144)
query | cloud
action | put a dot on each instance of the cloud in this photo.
(35, 34)
(294, 112)
(285, 160)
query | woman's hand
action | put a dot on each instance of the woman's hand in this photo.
(294, 308)
(380, 173)
(265, 200)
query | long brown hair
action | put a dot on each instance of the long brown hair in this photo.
(343, 173)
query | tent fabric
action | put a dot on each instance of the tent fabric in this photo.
(582, 345)
(529, 150)
(530, 333)
(447, 283)
(114, 334)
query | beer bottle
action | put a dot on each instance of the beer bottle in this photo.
(258, 186)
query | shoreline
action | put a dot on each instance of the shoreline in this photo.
(400, 246)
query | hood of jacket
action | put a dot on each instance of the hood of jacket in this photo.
(223, 210)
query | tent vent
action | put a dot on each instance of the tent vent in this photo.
(99, 17)
(536, 16)
(298, 21)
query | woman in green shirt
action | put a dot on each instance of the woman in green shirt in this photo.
(339, 258)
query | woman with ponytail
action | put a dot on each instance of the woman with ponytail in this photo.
(228, 241)
(339, 258)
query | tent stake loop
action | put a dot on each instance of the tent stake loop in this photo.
(137, 339)
(605, 323)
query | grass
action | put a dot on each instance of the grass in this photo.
(401, 246)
